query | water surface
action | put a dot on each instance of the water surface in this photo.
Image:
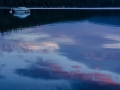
(60, 50)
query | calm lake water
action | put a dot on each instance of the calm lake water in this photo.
(60, 50)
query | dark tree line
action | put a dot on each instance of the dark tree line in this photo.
(61, 3)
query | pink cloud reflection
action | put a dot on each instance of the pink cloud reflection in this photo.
(79, 71)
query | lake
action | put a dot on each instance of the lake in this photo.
(60, 50)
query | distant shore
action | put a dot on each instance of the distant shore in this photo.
(60, 3)
(74, 8)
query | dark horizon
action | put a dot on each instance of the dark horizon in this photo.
(61, 3)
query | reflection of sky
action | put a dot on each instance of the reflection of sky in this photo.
(70, 70)
(60, 55)
(115, 38)
(108, 20)
(1, 67)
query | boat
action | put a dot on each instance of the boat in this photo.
(21, 9)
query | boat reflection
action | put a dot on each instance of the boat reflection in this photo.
(21, 14)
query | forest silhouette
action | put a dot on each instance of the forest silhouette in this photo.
(60, 3)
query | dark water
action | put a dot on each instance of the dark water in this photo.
(60, 50)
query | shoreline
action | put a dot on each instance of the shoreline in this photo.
(97, 8)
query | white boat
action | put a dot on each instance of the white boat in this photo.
(21, 9)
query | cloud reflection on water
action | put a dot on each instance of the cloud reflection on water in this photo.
(114, 45)
(73, 53)
(70, 70)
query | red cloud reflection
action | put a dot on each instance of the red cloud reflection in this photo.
(69, 70)
(95, 76)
